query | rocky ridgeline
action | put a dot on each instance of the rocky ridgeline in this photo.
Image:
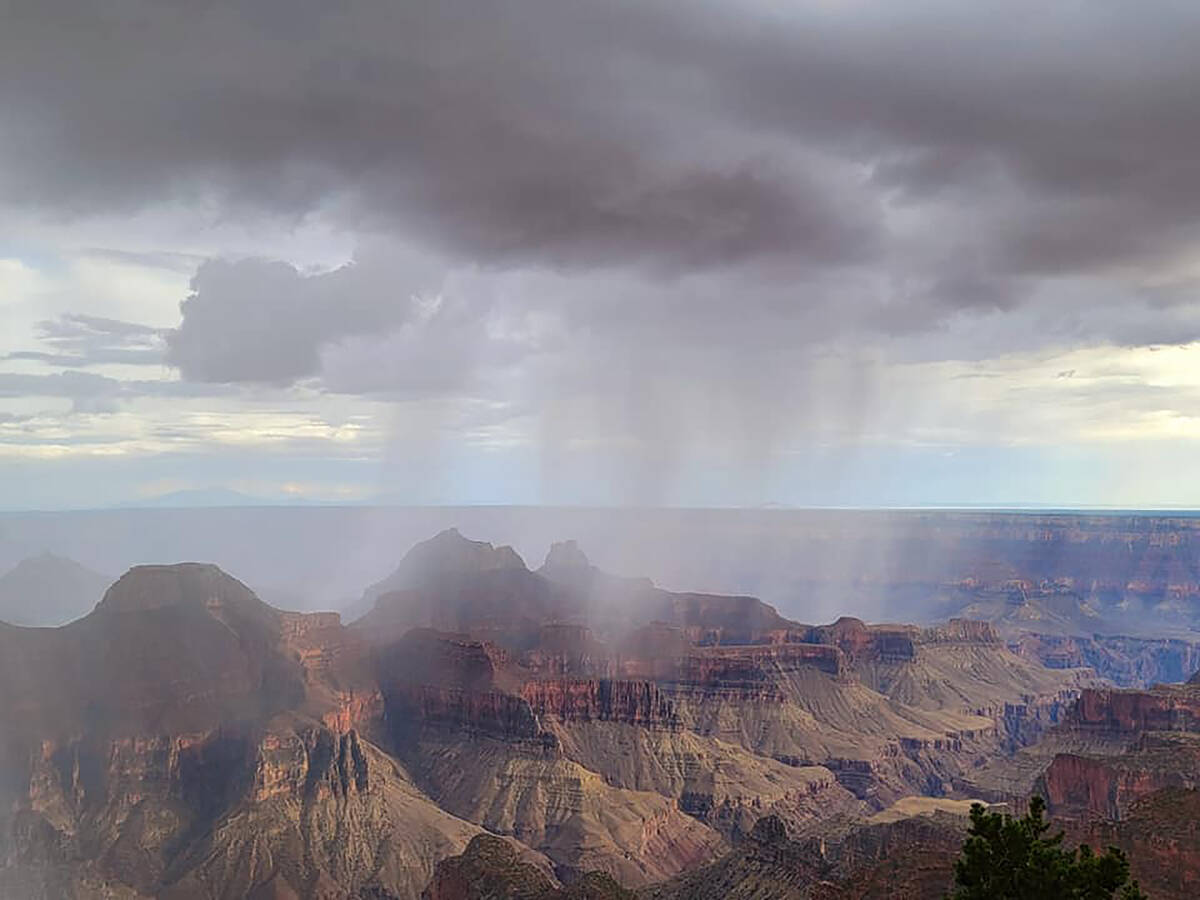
(145, 589)
(859, 641)
(958, 631)
(752, 668)
(1125, 661)
(84, 796)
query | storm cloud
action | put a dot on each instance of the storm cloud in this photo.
(661, 223)
(595, 133)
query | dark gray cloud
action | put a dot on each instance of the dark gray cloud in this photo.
(502, 131)
(681, 135)
(615, 209)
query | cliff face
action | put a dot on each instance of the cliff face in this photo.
(1115, 712)
(859, 641)
(1111, 749)
(519, 759)
(731, 666)
(1088, 787)
(508, 758)
(331, 816)
(1119, 746)
(1125, 661)
(456, 710)
(753, 667)
(708, 619)
(223, 814)
(955, 631)
(1161, 836)
(426, 656)
(632, 702)
(202, 655)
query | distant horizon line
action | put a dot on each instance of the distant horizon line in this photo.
(151, 505)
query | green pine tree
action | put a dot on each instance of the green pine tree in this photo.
(1013, 859)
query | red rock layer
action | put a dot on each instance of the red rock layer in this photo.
(426, 656)
(486, 712)
(633, 702)
(966, 631)
(1091, 787)
(859, 641)
(1131, 712)
(1161, 837)
(747, 673)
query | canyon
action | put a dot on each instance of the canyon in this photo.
(589, 734)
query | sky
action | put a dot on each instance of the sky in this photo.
(600, 252)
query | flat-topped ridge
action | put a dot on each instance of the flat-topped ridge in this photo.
(145, 588)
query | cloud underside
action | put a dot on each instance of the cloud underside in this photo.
(731, 222)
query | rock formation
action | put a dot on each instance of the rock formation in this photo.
(493, 869)
(1126, 661)
(186, 739)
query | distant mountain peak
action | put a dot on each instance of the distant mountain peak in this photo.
(48, 558)
(199, 498)
(49, 589)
